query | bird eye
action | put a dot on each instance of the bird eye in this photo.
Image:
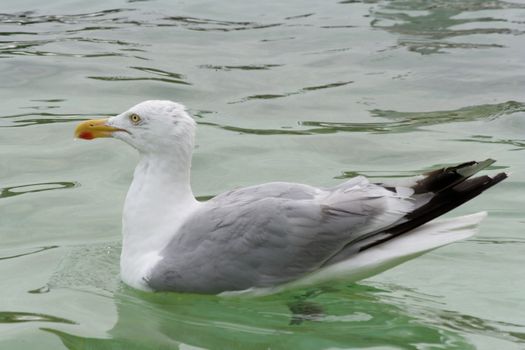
(135, 119)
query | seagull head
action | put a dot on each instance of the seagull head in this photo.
(150, 127)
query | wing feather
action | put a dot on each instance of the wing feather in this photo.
(271, 234)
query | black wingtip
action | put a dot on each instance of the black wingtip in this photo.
(447, 200)
(475, 167)
(449, 188)
(500, 177)
(442, 179)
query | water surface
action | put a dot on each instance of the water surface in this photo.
(303, 91)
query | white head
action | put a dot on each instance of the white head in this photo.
(151, 127)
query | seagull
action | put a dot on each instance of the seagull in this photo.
(270, 237)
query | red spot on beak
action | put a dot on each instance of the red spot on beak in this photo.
(86, 135)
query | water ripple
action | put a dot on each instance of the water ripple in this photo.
(17, 317)
(470, 113)
(12, 191)
(242, 67)
(402, 121)
(87, 266)
(38, 250)
(300, 91)
(17, 33)
(518, 144)
(497, 241)
(29, 17)
(299, 16)
(28, 48)
(459, 322)
(453, 320)
(353, 317)
(433, 22)
(118, 42)
(44, 118)
(165, 76)
(207, 24)
(60, 30)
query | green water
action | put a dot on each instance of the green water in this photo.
(303, 91)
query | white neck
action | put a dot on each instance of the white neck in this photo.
(158, 201)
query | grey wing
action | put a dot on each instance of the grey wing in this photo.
(260, 237)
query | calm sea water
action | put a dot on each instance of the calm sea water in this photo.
(304, 91)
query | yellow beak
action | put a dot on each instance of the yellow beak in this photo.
(91, 129)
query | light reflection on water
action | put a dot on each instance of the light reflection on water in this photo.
(383, 89)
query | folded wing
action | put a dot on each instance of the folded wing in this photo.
(273, 234)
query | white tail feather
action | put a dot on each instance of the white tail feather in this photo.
(407, 246)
